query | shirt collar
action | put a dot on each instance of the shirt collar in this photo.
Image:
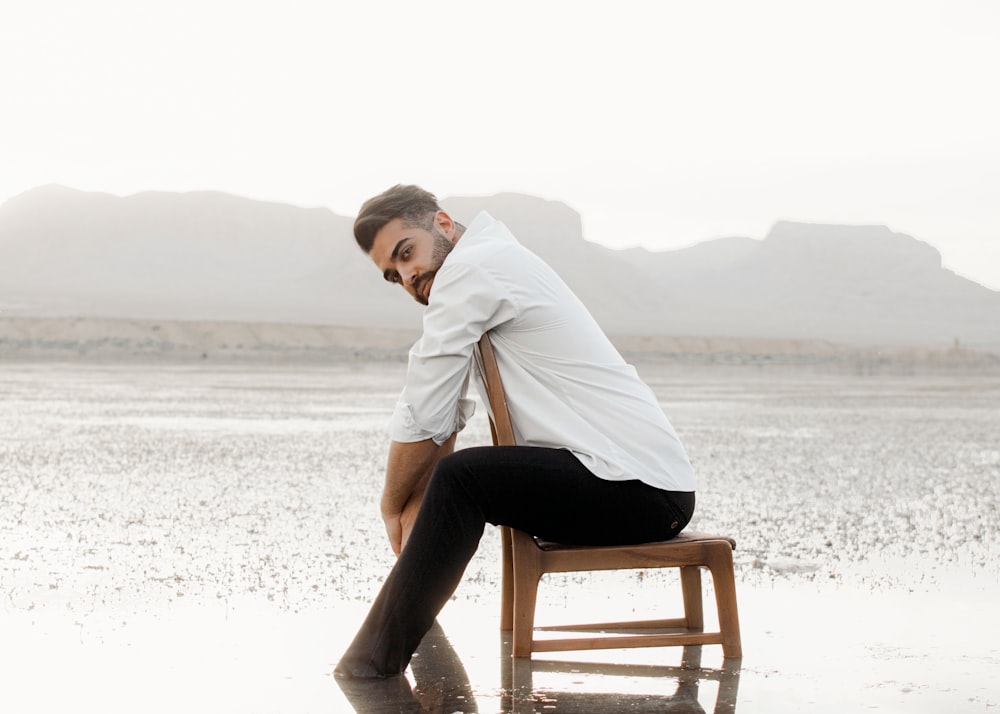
(481, 222)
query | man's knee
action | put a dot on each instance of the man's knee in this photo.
(458, 469)
(471, 453)
(458, 462)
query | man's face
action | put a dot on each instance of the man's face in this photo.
(411, 256)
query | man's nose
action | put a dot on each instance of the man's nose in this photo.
(408, 275)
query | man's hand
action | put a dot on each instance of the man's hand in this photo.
(394, 529)
(399, 525)
(409, 515)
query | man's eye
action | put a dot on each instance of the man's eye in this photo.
(406, 252)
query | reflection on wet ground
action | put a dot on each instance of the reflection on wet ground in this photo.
(166, 530)
(442, 685)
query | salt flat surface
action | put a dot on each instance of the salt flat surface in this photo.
(199, 538)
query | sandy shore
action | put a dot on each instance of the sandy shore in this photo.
(96, 339)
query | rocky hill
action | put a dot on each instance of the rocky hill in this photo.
(215, 257)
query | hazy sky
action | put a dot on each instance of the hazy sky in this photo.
(662, 123)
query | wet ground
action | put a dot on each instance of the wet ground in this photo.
(187, 539)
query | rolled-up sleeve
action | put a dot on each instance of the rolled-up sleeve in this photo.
(466, 302)
(404, 426)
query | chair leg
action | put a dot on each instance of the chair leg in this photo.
(507, 581)
(691, 590)
(525, 597)
(527, 572)
(724, 582)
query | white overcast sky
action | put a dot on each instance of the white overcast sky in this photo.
(662, 123)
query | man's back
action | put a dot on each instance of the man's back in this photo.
(567, 385)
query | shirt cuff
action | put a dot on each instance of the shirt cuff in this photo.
(405, 428)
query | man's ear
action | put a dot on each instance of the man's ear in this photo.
(447, 226)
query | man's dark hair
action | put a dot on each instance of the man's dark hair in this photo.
(415, 206)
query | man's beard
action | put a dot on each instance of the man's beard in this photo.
(442, 247)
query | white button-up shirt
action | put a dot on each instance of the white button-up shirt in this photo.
(566, 385)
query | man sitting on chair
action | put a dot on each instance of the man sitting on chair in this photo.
(597, 461)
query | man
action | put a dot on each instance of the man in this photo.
(597, 462)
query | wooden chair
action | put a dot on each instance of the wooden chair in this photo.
(526, 559)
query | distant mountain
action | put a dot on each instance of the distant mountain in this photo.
(213, 256)
(855, 284)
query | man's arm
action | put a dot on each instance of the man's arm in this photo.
(406, 475)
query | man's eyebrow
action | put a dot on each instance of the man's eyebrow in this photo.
(395, 251)
(387, 273)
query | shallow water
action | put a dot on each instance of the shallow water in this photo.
(218, 526)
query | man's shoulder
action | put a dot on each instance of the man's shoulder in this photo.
(485, 231)
(491, 246)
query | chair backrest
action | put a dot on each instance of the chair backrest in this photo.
(500, 424)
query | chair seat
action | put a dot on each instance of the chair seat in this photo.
(680, 539)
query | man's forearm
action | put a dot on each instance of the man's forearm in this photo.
(406, 477)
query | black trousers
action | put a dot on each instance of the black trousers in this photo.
(545, 492)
